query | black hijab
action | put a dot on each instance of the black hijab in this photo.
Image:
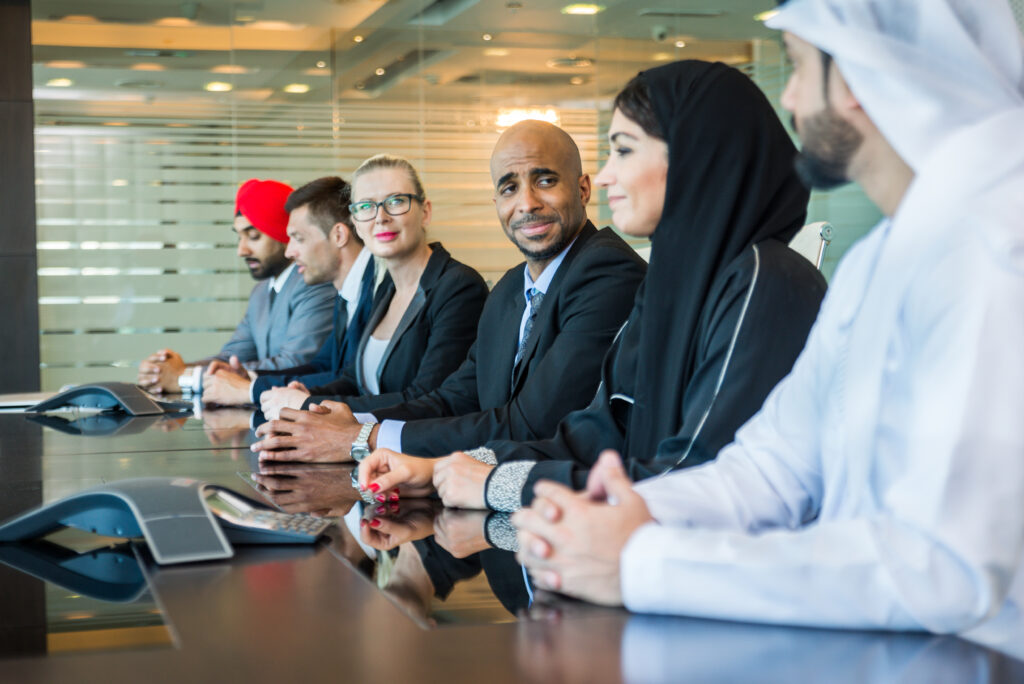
(731, 183)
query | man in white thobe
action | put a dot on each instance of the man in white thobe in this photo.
(882, 483)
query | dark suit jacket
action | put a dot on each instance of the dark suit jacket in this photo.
(338, 349)
(430, 342)
(588, 300)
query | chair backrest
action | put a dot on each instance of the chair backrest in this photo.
(812, 241)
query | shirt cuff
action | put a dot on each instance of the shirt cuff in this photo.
(364, 418)
(253, 399)
(500, 533)
(389, 435)
(503, 490)
(640, 572)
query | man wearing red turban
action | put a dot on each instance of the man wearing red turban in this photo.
(286, 320)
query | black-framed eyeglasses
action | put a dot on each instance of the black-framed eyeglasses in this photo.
(394, 205)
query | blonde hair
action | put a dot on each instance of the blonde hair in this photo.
(390, 161)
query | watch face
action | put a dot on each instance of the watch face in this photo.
(359, 453)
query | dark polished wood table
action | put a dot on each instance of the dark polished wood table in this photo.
(414, 592)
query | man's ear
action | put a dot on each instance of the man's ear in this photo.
(340, 234)
(585, 188)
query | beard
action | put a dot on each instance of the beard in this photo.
(829, 144)
(270, 267)
(561, 240)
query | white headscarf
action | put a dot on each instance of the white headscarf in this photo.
(922, 69)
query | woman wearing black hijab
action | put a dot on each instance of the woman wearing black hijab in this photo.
(720, 318)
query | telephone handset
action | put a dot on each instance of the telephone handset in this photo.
(181, 519)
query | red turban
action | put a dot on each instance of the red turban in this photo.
(262, 202)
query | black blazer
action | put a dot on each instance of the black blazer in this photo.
(588, 299)
(754, 324)
(431, 340)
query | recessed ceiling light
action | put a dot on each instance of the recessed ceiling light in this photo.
(119, 182)
(662, 57)
(321, 64)
(65, 64)
(60, 83)
(357, 39)
(297, 88)
(229, 69)
(680, 43)
(380, 71)
(766, 15)
(582, 8)
(218, 87)
(487, 36)
(496, 52)
(147, 66)
(577, 80)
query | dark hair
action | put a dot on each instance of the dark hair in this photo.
(635, 102)
(328, 199)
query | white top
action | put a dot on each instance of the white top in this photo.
(881, 485)
(373, 352)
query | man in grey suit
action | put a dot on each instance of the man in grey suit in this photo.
(286, 320)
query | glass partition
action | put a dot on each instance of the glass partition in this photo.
(149, 116)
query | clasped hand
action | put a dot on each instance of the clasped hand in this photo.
(572, 541)
(324, 434)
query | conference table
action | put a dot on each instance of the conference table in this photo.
(403, 592)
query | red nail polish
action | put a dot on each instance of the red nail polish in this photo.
(374, 487)
(381, 510)
(375, 523)
(362, 522)
(393, 496)
(394, 508)
(381, 498)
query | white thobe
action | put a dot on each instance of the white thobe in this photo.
(882, 483)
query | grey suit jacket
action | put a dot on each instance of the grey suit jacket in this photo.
(287, 334)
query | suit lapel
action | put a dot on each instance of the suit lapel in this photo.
(548, 306)
(419, 300)
(276, 320)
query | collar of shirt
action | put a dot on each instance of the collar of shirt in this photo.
(546, 276)
(350, 288)
(277, 283)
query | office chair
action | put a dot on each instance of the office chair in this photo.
(812, 241)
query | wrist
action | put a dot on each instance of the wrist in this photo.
(372, 439)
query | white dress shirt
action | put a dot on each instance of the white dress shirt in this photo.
(882, 483)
